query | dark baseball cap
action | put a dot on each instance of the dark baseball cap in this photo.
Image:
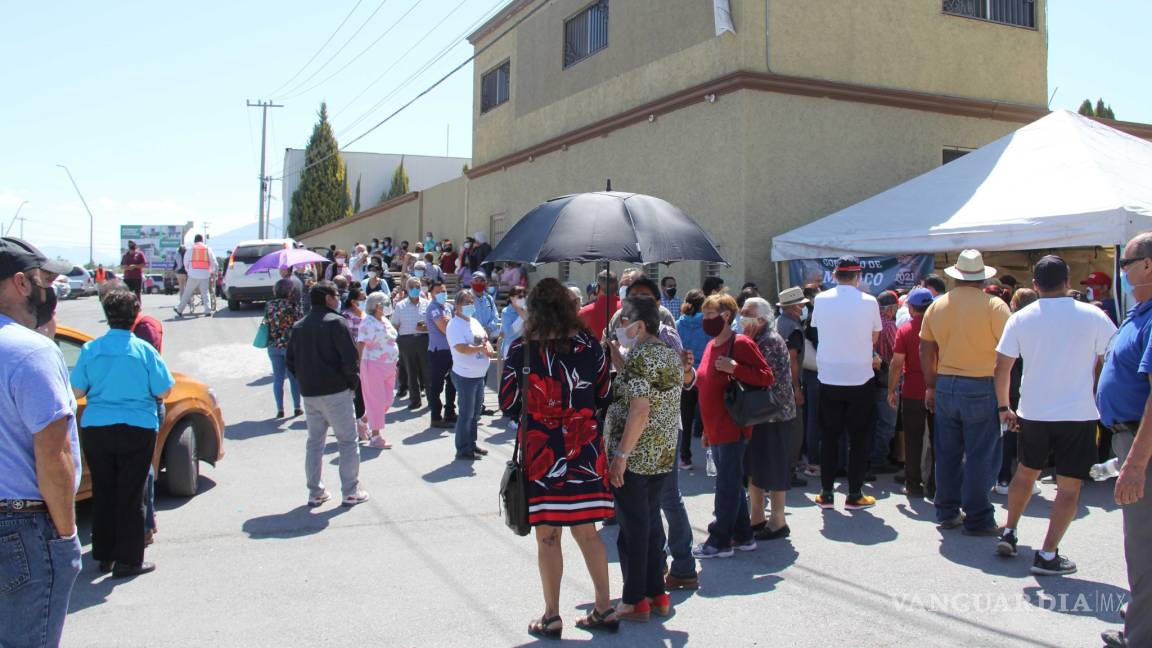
(1050, 271)
(887, 298)
(848, 263)
(17, 255)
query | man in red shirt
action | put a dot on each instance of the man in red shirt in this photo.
(134, 262)
(597, 314)
(906, 362)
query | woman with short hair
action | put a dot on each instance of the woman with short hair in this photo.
(729, 356)
(122, 377)
(563, 445)
(643, 423)
(376, 342)
(513, 318)
(280, 313)
(472, 355)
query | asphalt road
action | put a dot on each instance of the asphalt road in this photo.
(428, 562)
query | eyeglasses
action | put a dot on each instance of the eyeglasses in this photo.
(1124, 263)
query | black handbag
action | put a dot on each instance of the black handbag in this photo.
(514, 484)
(747, 404)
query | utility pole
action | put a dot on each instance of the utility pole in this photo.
(261, 223)
(8, 230)
(268, 206)
(91, 219)
(21, 219)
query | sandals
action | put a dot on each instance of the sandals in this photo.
(542, 627)
(597, 620)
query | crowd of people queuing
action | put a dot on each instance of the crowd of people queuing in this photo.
(964, 391)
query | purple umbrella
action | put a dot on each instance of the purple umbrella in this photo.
(286, 258)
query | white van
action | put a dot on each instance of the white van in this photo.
(240, 288)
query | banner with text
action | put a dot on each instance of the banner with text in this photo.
(877, 274)
(159, 243)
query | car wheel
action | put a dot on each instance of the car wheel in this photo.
(233, 305)
(182, 468)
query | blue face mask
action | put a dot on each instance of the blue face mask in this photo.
(413, 292)
(441, 298)
(468, 310)
(1126, 286)
(418, 274)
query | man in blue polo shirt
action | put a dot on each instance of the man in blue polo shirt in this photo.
(436, 320)
(1125, 407)
(39, 455)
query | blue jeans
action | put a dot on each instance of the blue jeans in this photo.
(37, 571)
(730, 505)
(469, 402)
(279, 373)
(811, 417)
(884, 428)
(968, 450)
(679, 528)
(640, 543)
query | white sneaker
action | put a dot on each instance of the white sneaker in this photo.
(1035, 488)
(313, 502)
(1000, 488)
(359, 497)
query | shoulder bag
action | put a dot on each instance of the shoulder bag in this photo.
(747, 404)
(514, 484)
(261, 339)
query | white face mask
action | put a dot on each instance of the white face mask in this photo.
(626, 340)
(623, 292)
(748, 322)
(518, 302)
(341, 260)
(804, 314)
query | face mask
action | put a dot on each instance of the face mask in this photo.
(748, 322)
(414, 293)
(714, 326)
(492, 290)
(372, 274)
(418, 274)
(441, 298)
(671, 292)
(360, 305)
(341, 260)
(468, 310)
(43, 306)
(623, 292)
(518, 302)
(626, 341)
(479, 286)
(805, 314)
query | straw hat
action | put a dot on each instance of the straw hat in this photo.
(970, 267)
(791, 297)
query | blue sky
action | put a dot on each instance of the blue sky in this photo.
(145, 101)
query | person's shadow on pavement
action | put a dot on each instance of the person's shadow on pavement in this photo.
(300, 521)
(856, 527)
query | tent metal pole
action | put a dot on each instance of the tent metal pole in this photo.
(1118, 297)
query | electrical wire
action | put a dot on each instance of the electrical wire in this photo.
(309, 62)
(348, 42)
(491, 12)
(362, 53)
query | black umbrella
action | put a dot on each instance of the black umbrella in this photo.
(606, 226)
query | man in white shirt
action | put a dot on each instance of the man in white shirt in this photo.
(849, 325)
(412, 338)
(200, 263)
(1062, 343)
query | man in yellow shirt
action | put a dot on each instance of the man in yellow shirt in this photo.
(958, 355)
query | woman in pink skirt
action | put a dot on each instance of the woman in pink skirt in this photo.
(376, 341)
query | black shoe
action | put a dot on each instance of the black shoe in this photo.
(415, 406)
(481, 451)
(450, 416)
(952, 522)
(125, 571)
(105, 566)
(1058, 566)
(401, 394)
(487, 411)
(441, 424)
(279, 414)
(468, 457)
(767, 534)
(1114, 639)
(297, 412)
(1007, 545)
(913, 491)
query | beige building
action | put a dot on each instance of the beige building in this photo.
(807, 107)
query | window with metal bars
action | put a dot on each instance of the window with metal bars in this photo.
(1021, 13)
(495, 86)
(586, 33)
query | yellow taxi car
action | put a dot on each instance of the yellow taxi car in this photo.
(192, 429)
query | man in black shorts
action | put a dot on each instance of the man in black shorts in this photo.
(1062, 342)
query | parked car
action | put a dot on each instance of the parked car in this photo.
(80, 282)
(62, 287)
(241, 288)
(154, 283)
(192, 430)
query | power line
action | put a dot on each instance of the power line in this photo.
(362, 52)
(284, 172)
(309, 62)
(337, 53)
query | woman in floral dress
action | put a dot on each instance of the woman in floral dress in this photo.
(280, 314)
(563, 445)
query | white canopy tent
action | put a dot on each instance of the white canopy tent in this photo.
(1062, 181)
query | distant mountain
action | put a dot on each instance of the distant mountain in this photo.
(223, 244)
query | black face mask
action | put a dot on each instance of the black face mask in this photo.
(671, 292)
(44, 307)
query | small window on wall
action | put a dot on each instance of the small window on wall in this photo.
(586, 33)
(652, 271)
(712, 269)
(495, 86)
(564, 272)
(498, 228)
(952, 154)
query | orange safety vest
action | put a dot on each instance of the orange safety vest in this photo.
(100, 276)
(201, 259)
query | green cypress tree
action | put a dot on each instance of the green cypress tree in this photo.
(1101, 109)
(1086, 108)
(322, 195)
(356, 203)
(399, 183)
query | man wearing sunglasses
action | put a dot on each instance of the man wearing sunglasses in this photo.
(1123, 396)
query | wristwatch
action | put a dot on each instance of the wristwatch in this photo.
(622, 455)
(1002, 409)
